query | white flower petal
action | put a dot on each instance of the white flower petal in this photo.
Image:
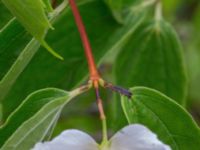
(69, 140)
(136, 137)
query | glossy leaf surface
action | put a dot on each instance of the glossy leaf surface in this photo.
(162, 115)
(31, 15)
(33, 119)
(153, 58)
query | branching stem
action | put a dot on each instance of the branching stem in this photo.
(94, 75)
(95, 78)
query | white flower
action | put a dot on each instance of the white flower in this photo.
(132, 137)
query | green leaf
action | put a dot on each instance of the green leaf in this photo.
(1, 113)
(48, 5)
(105, 36)
(17, 68)
(120, 7)
(164, 116)
(31, 14)
(5, 15)
(153, 58)
(32, 120)
(13, 37)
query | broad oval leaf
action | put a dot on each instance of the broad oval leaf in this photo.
(162, 115)
(33, 119)
(153, 58)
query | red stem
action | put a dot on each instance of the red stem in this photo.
(94, 75)
(86, 44)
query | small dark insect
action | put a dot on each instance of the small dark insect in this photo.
(118, 89)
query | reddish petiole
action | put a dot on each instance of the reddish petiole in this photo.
(95, 78)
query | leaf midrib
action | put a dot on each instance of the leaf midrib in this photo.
(29, 120)
(164, 125)
(38, 112)
(25, 135)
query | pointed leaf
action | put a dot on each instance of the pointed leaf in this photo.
(173, 125)
(13, 37)
(153, 58)
(32, 120)
(31, 14)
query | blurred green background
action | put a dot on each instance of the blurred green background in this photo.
(82, 112)
(185, 17)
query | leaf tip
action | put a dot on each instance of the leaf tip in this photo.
(51, 50)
